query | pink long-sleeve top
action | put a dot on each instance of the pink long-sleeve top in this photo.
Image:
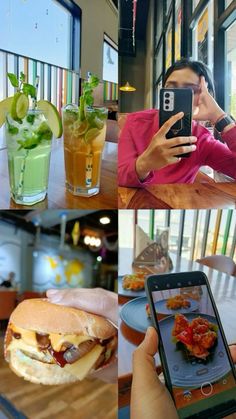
(136, 135)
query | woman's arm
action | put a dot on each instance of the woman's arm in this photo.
(219, 156)
(127, 156)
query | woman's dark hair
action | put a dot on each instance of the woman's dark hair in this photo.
(197, 67)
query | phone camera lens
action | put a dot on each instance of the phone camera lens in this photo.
(167, 94)
(167, 107)
(167, 101)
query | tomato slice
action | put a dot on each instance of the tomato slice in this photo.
(186, 336)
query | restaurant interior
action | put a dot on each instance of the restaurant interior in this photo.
(164, 241)
(54, 249)
(72, 52)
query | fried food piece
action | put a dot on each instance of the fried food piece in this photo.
(134, 282)
(177, 302)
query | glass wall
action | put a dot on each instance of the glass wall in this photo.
(203, 37)
(231, 70)
(192, 233)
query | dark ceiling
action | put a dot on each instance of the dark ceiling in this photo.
(23, 219)
(126, 46)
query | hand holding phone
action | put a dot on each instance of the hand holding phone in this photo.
(196, 361)
(173, 101)
(161, 153)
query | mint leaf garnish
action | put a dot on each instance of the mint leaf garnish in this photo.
(11, 128)
(86, 99)
(29, 90)
(13, 79)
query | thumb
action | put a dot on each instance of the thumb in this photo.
(144, 371)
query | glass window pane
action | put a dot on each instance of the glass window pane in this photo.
(178, 20)
(144, 220)
(42, 32)
(231, 70)
(200, 233)
(231, 234)
(169, 45)
(203, 37)
(228, 2)
(174, 230)
(168, 4)
(157, 95)
(110, 63)
(158, 63)
(195, 3)
(159, 21)
(126, 228)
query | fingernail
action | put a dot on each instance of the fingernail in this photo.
(194, 139)
(193, 147)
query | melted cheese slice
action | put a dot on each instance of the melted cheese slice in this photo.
(56, 339)
(82, 367)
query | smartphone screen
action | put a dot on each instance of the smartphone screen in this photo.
(198, 365)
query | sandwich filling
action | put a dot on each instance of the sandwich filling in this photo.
(77, 354)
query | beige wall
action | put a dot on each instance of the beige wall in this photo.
(148, 91)
(98, 17)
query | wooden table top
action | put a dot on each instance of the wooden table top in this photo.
(223, 287)
(179, 196)
(58, 196)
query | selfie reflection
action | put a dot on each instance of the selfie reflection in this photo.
(165, 137)
(177, 335)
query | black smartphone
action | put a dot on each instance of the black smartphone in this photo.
(196, 361)
(173, 101)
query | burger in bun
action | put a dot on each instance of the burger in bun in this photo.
(52, 344)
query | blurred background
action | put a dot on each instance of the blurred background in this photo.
(54, 249)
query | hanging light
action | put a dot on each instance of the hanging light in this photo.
(127, 88)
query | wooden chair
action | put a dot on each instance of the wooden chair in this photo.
(7, 303)
(220, 262)
(112, 131)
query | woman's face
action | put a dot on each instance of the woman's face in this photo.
(185, 78)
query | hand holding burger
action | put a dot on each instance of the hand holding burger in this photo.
(53, 344)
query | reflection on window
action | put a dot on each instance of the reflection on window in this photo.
(178, 19)
(168, 4)
(231, 71)
(195, 3)
(110, 63)
(159, 21)
(228, 2)
(203, 37)
(126, 228)
(41, 32)
(157, 94)
(158, 63)
(169, 45)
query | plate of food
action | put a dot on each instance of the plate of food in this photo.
(134, 314)
(132, 285)
(175, 304)
(194, 349)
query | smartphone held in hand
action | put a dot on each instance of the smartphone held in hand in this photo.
(197, 365)
(173, 101)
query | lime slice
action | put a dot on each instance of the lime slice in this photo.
(5, 107)
(91, 134)
(80, 127)
(20, 106)
(52, 116)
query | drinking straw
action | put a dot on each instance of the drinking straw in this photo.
(22, 170)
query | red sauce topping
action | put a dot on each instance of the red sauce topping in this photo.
(58, 356)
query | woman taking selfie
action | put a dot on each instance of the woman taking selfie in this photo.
(147, 157)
